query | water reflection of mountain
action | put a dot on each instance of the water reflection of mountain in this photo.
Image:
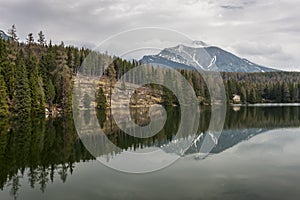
(227, 139)
(40, 150)
(241, 124)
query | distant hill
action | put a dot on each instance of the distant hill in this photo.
(208, 58)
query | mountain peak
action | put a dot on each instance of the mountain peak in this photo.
(198, 43)
(193, 44)
(199, 55)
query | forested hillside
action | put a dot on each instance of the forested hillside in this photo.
(269, 87)
(37, 75)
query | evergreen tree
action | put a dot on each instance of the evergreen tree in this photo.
(243, 95)
(252, 96)
(70, 59)
(46, 78)
(100, 99)
(286, 97)
(41, 40)
(63, 80)
(12, 32)
(3, 98)
(111, 73)
(50, 93)
(278, 93)
(7, 65)
(30, 39)
(4, 62)
(36, 85)
(21, 98)
(293, 92)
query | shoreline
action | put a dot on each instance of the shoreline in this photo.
(266, 104)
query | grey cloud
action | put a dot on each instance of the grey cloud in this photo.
(248, 2)
(265, 54)
(236, 5)
(218, 22)
(229, 7)
(258, 49)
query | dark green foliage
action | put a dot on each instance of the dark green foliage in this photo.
(36, 86)
(243, 93)
(47, 149)
(3, 87)
(37, 75)
(12, 32)
(100, 99)
(252, 96)
(63, 80)
(286, 96)
(168, 97)
(3, 98)
(7, 65)
(21, 98)
(41, 40)
(49, 93)
(30, 39)
(271, 87)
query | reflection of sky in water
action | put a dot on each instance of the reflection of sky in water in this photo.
(265, 167)
(257, 157)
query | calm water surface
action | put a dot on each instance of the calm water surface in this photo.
(257, 157)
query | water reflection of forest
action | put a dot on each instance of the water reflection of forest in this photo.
(42, 150)
(236, 118)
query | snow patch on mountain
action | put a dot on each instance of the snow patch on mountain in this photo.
(199, 55)
(213, 61)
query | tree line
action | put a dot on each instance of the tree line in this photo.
(269, 87)
(37, 74)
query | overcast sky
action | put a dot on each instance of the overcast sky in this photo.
(266, 32)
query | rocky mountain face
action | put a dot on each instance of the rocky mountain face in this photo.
(3, 35)
(201, 56)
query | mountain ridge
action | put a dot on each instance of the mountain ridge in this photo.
(3, 35)
(204, 57)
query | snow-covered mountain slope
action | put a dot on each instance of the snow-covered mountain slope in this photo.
(191, 145)
(3, 35)
(200, 55)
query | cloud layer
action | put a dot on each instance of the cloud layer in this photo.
(265, 32)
